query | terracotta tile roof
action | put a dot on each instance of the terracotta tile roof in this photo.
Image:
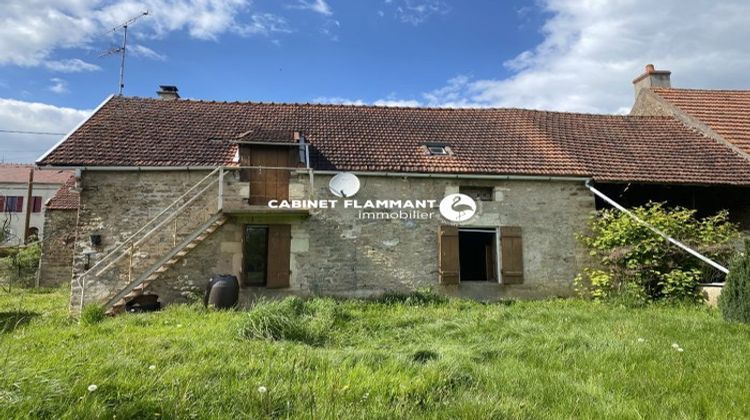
(66, 198)
(19, 173)
(151, 132)
(726, 111)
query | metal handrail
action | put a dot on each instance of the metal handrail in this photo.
(145, 226)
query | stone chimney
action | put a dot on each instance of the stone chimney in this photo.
(168, 93)
(652, 78)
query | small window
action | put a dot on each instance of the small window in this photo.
(13, 204)
(477, 193)
(437, 150)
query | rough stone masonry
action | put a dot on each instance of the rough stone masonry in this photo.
(333, 251)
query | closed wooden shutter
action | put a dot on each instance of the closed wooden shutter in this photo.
(511, 247)
(279, 249)
(267, 184)
(448, 272)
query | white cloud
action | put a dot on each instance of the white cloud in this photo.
(416, 12)
(264, 24)
(592, 50)
(73, 65)
(397, 102)
(337, 100)
(32, 31)
(317, 6)
(58, 86)
(389, 101)
(139, 50)
(38, 117)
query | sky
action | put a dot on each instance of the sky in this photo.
(562, 55)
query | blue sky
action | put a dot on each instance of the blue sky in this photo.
(565, 55)
(352, 53)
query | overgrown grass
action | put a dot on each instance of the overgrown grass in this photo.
(355, 359)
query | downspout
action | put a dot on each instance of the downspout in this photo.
(686, 248)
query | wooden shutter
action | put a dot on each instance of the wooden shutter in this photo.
(267, 184)
(279, 249)
(2, 203)
(511, 247)
(448, 268)
(19, 204)
(37, 207)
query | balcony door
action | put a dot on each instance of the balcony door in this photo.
(267, 183)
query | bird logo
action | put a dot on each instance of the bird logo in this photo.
(457, 207)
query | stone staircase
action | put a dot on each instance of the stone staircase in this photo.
(116, 303)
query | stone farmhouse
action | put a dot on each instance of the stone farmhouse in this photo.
(175, 191)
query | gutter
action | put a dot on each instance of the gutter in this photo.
(460, 176)
(670, 239)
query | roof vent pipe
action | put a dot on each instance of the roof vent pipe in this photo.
(168, 93)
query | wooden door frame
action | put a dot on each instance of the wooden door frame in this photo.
(498, 255)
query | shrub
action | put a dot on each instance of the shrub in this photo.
(633, 263)
(734, 301)
(20, 266)
(92, 314)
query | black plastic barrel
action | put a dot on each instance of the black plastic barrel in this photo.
(222, 292)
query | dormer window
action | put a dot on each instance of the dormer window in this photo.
(437, 149)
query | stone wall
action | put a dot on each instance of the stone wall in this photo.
(333, 252)
(115, 205)
(55, 268)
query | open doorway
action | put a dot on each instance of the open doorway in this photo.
(477, 252)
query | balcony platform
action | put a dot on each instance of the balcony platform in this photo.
(264, 214)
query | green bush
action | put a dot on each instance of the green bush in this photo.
(20, 266)
(292, 319)
(633, 264)
(734, 301)
(92, 314)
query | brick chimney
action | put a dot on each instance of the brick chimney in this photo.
(168, 93)
(652, 78)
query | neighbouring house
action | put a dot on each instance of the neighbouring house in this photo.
(721, 115)
(17, 200)
(175, 191)
(58, 245)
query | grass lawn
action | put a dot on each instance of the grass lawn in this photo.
(355, 359)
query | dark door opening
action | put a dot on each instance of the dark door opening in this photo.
(476, 255)
(255, 255)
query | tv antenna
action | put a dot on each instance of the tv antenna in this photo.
(122, 49)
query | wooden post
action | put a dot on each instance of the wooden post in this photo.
(29, 205)
(221, 189)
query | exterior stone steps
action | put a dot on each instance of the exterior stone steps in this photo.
(119, 306)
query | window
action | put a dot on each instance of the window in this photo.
(255, 255)
(437, 150)
(36, 204)
(477, 193)
(13, 204)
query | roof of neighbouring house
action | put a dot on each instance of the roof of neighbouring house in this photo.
(13, 173)
(66, 198)
(727, 112)
(150, 132)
